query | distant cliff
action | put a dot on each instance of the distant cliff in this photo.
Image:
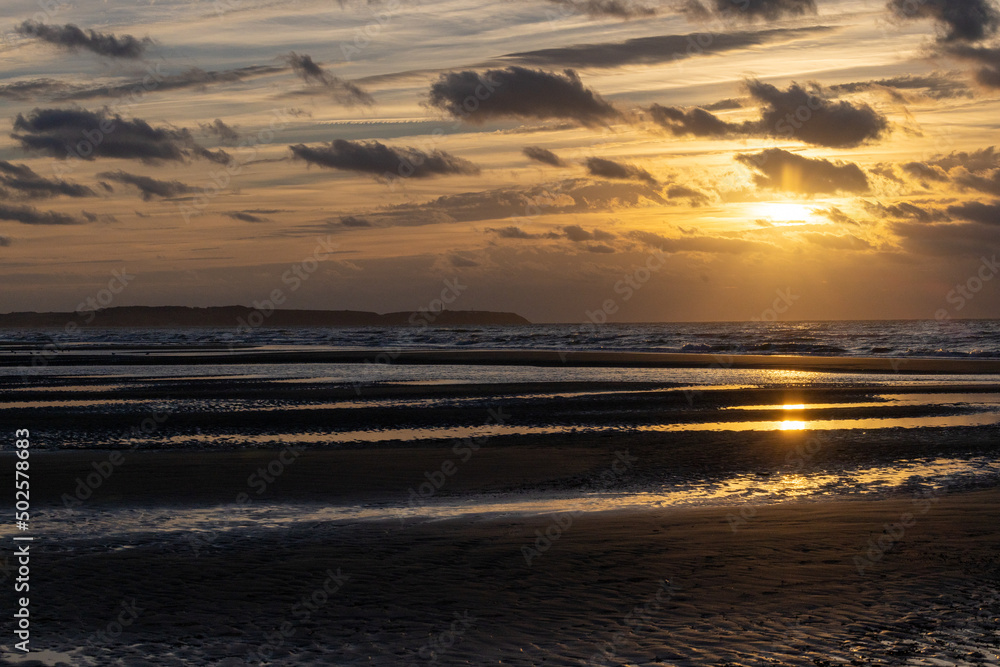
(235, 316)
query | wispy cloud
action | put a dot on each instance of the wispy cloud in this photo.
(748, 10)
(658, 49)
(543, 155)
(149, 187)
(610, 169)
(343, 91)
(373, 157)
(73, 38)
(29, 215)
(27, 183)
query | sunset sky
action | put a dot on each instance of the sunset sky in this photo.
(537, 152)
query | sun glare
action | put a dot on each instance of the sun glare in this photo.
(783, 213)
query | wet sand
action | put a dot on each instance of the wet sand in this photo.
(657, 587)
(156, 566)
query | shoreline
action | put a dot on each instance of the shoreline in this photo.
(503, 357)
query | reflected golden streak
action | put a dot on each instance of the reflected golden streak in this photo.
(788, 425)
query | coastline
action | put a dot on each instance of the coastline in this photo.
(221, 355)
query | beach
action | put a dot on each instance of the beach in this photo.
(297, 512)
(792, 584)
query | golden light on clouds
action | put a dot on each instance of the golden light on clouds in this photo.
(541, 156)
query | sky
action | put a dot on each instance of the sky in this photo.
(568, 160)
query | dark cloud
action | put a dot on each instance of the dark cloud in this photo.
(90, 134)
(611, 169)
(976, 170)
(343, 91)
(574, 233)
(978, 161)
(149, 187)
(29, 215)
(887, 171)
(190, 78)
(246, 216)
(217, 128)
(305, 67)
(71, 37)
(29, 90)
(218, 156)
(836, 241)
(620, 9)
(952, 239)
(513, 232)
(652, 50)
(781, 170)
(923, 171)
(579, 195)
(28, 184)
(543, 155)
(905, 211)
(373, 157)
(697, 122)
(834, 214)
(937, 86)
(352, 221)
(94, 217)
(794, 113)
(990, 184)
(989, 57)
(799, 114)
(708, 244)
(974, 211)
(696, 197)
(517, 92)
(578, 234)
(724, 105)
(959, 20)
(748, 10)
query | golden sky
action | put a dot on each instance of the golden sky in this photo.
(544, 154)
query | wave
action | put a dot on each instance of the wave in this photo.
(928, 338)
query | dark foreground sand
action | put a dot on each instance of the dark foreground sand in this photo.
(794, 584)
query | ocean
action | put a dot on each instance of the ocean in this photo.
(878, 338)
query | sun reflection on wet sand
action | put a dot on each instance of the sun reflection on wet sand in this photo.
(788, 425)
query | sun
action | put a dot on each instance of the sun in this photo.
(783, 213)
